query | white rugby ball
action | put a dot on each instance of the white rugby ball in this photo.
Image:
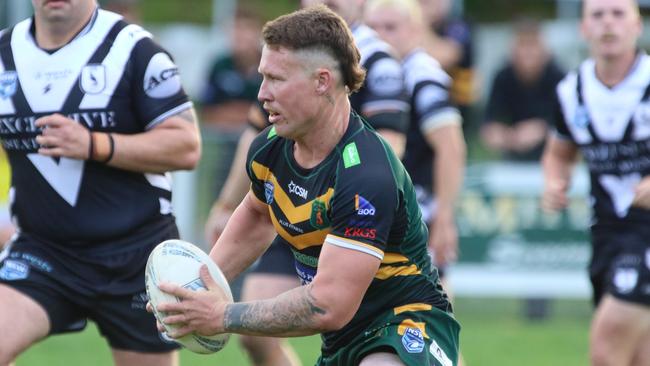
(178, 262)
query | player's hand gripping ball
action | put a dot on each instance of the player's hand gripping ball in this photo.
(178, 262)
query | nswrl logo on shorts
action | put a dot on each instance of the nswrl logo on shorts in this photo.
(14, 270)
(413, 341)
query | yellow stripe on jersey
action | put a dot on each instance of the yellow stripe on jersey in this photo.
(409, 323)
(412, 307)
(355, 245)
(301, 241)
(294, 214)
(391, 258)
(261, 172)
(385, 272)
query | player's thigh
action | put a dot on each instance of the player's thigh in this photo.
(642, 352)
(619, 326)
(381, 359)
(132, 358)
(22, 322)
(259, 286)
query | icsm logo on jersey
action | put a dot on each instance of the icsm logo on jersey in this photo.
(8, 83)
(93, 78)
(297, 190)
(268, 192)
(363, 207)
(161, 79)
(412, 340)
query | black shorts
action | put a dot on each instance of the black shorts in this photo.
(278, 259)
(620, 263)
(75, 285)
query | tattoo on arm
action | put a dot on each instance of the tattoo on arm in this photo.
(293, 311)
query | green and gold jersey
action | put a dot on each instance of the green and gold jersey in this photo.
(360, 198)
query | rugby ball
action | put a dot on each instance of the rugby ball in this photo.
(178, 262)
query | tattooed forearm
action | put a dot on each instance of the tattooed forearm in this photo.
(294, 313)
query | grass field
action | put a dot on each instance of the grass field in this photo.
(494, 333)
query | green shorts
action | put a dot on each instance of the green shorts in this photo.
(418, 333)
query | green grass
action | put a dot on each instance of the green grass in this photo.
(494, 333)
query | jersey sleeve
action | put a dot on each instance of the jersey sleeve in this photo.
(433, 106)
(386, 103)
(158, 92)
(364, 205)
(257, 169)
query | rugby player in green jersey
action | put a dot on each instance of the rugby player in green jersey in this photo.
(327, 185)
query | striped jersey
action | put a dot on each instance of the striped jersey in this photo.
(359, 197)
(112, 77)
(611, 127)
(428, 89)
(382, 99)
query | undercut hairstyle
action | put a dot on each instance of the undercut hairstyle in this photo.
(318, 29)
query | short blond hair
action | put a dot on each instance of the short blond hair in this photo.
(411, 8)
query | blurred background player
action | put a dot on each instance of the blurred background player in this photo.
(603, 114)
(449, 40)
(435, 147)
(519, 107)
(94, 117)
(233, 80)
(381, 101)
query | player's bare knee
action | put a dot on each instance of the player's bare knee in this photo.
(603, 357)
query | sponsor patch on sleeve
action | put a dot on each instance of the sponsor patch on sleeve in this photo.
(161, 79)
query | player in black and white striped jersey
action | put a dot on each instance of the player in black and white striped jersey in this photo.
(93, 116)
(603, 113)
(435, 148)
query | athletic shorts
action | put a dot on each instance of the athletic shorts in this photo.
(418, 333)
(74, 286)
(278, 260)
(620, 264)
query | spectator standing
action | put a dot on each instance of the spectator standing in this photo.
(233, 81)
(520, 104)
